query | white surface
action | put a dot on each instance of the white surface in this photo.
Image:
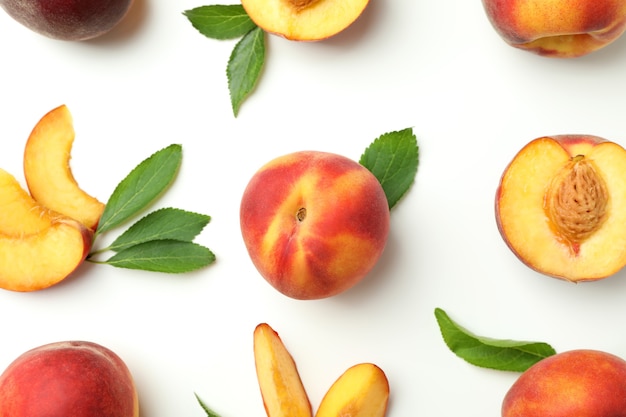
(435, 66)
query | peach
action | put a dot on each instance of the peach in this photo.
(281, 387)
(561, 206)
(557, 28)
(314, 223)
(582, 383)
(38, 247)
(74, 378)
(72, 20)
(361, 391)
(304, 20)
(48, 173)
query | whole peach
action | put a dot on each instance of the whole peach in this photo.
(62, 379)
(558, 28)
(581, 383)
(72, 20)
(314, 223)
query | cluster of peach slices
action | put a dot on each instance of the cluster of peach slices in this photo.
(304, 20)
(47, 234)
(560, 207)
(361, 391)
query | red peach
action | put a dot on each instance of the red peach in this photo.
(314, 223)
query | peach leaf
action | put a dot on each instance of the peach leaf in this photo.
(499, 354)
(244, 66)
(393, 159)
(220, 21)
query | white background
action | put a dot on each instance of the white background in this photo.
(438, 67)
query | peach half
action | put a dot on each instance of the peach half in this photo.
(48, 173)
(557, 28)
(38, 247)
(314, 223)
(304, 20)
(561, 206)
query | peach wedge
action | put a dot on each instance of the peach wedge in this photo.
(38, 247)
(48, 173)
(281, 387)
(561, 206)
(304, 20)
(361, 391)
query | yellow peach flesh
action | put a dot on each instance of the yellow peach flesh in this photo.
(281, 387)
(47, 169)
(294, 20)
(17, 217)
(38, 247)
(41, 260)
(361, 391)
(525, 225)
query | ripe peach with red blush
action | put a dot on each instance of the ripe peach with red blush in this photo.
(314, 223)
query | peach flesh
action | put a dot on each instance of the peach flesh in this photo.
(304, 20)
(524, 199)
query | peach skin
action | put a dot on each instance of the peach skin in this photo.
(314, 223)
(557, 28)
(582, 383)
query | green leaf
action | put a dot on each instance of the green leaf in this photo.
(144, 184)
(503, 355)
(244, 66)
(393, 159)
(166, 223)
(171, 256)
(209, 412)
(220, 21)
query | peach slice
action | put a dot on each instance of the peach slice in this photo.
(304, 20)
(361, 391)
(48, 173)
(281, 387)
(561, 206)
(38, 247)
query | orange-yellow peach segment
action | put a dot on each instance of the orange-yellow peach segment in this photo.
(38, 247)
(47, 169)
(281, 387)
(561, 206)
(361, 391)
(314, 223)
(559, 28)
(304, 20)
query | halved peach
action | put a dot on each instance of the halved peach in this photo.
(361, 391)
(304, 20)
(561, 206)
(281, 387)
(48, 173)
(38, 247)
